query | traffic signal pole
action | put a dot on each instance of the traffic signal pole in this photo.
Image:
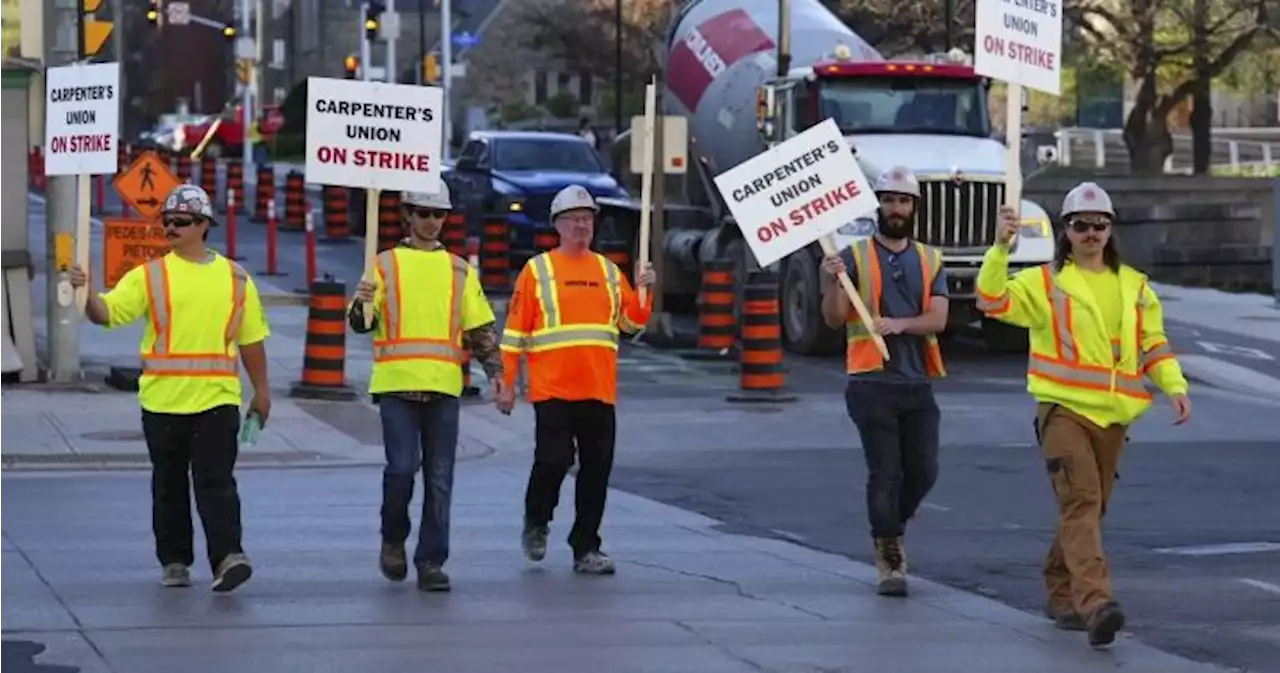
(61, 201)
(246, 107)
(364, 42)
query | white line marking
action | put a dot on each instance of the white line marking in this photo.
(1220, 549)
(1239, 351)
(939, 508)
(1259, 584)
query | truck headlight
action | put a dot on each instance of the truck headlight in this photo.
(1035, 228)
(861, 227)
(513, 204)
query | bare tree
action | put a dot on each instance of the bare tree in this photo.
(897, 26)
(1197, 39)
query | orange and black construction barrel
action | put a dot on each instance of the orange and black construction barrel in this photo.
(336, 225)
(235, 181)
(495, 254)
(390, 230)
(545, 239)
(454, 235)
(325, 354)
(209, 176)
(295, 201)
(266, 192)
(715, 307)
(761, 373)
(184, 168)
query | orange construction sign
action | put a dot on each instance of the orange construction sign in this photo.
(145, 184)
(128, 243)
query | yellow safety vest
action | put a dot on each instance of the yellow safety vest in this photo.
(161, 360)
(861, 354)
(417, 344)
(553, 331)
(1073, 361)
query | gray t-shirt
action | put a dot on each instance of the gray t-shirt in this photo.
(901, 288)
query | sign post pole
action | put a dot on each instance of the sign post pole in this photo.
(371, 198)
(828, 245)
(646, 180)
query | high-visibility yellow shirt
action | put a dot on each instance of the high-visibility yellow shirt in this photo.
(425, 300)
(1104, 286)
(189, 363)
(1074, 361)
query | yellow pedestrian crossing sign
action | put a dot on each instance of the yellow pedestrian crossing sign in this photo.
(244, 67)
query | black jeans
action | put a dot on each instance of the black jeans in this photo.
(589, 429)
(419, 435)
(898, 424)
(206, 444)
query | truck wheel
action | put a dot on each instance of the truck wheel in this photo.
(1002, 337)
(800, 298)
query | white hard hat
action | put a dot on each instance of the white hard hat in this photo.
(1087, 197)
(438, 200)
(898, 179)
(571, 198)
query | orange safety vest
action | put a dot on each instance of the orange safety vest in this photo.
(552, 333)
(161, 360)
(395, 342)
(861, 354)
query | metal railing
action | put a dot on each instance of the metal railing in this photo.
(1235, 151)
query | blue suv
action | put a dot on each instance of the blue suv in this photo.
(516, 174)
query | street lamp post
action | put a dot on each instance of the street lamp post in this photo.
(617, 68)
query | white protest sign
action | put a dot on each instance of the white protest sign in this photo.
(796, 192)
(82, 119)
(1020, 42)
(374, 135)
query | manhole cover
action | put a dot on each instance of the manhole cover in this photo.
(114, 435)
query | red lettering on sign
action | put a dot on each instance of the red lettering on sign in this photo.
(809, 211)
(392, 161)
(1030, 55)
(331, 155)
(80, 143)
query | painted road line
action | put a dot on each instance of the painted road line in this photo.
(1222, 549)
(1259, 584)
(1229, 376)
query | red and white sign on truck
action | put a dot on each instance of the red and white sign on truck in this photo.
(82, 119)
(797, 192)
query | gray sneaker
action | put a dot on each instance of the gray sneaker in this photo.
(534, 541)
(594, 563)
(176, 575)
(432, 577)
(233, 571)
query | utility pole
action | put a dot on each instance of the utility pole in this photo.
(617, 68)
(365, 51)
(61, 202)
(117, 42)
(391, 24)
(446, 70)
(422, 42)
(247, 101)
(260, 60)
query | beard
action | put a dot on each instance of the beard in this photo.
(892, 226)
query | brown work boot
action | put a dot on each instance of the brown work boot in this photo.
(891, 567)
(1065, 618)
(1104, 623)
(393, 563)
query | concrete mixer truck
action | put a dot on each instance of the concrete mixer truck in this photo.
(928, 114)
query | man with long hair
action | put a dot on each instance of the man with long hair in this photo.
(1096, 329)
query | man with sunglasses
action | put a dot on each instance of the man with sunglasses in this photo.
(1096, 329)
(200, 308)
(904, 287)
(427, 305)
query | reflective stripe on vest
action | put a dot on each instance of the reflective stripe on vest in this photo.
(162, 361)
(394, 345)
(861, 352)
(1156, 352)
(1064, 366)
(554, 334)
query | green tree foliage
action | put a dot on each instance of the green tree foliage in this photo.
(11, 23)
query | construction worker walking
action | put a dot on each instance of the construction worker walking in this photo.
(565, 316)
(200, 308)
(426, 306)
(1096, 329)
(904, 287)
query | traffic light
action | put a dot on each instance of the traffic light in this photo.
(153, 13)
(93, 33)
(229, 32)
(372, 14)
(349, 66)
(430, 68)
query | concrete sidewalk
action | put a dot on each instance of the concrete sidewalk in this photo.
(80, 579)
(1253, 315)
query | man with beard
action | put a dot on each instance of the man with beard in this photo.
(427, 304)
(1096, 329)
(904, 287)
(201, 308)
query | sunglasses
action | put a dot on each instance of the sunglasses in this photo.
(179, 222)
(1081, 227)
(426, 212)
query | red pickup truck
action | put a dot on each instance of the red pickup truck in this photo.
(228, 139)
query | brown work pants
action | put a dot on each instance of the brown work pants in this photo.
(1081, 458)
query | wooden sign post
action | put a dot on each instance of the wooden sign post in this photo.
(646, 177)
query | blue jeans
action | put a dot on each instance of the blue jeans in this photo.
(419, 434)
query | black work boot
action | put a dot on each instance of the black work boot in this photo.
(393, 563)
(891, 567)
(432, 577)
(1104, 623)
(1066, 619)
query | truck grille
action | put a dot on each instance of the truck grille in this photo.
(959, 215)
(538, 207)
